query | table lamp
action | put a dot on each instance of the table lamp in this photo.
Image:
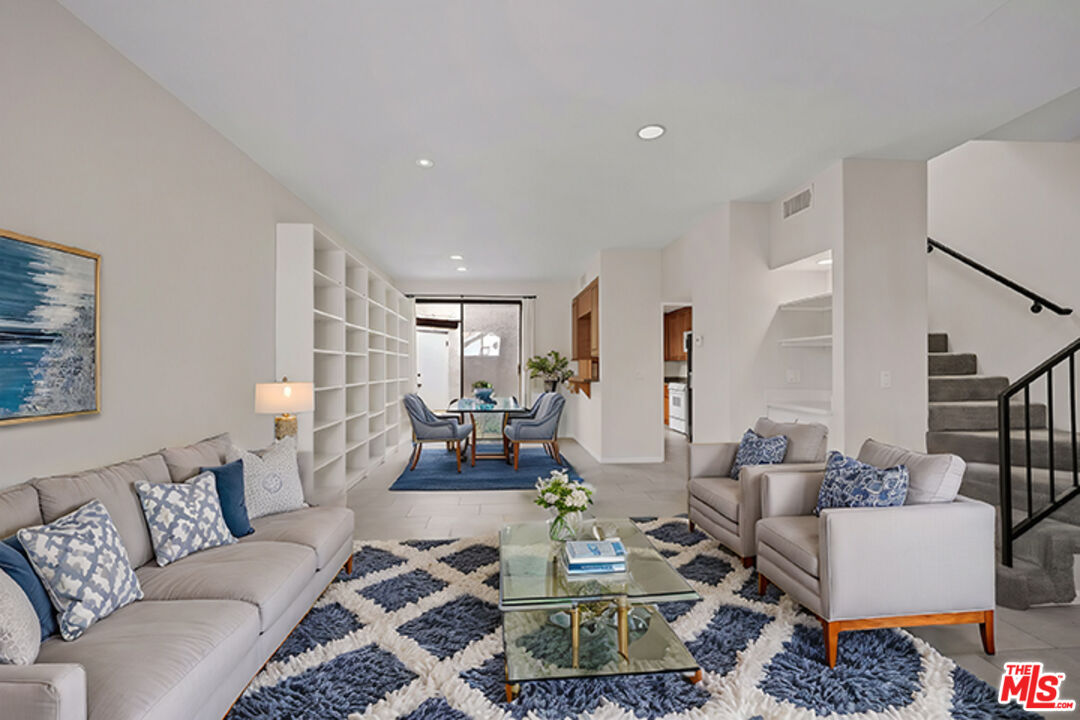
(286, 398)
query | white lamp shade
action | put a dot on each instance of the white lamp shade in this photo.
(284, 397)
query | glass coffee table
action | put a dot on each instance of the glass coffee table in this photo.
(555, 626)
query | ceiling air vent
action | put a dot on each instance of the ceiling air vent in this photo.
(797, 203)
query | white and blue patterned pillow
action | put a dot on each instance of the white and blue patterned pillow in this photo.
(84, 565)
(757, 450)
(850, 483)
(183, 518)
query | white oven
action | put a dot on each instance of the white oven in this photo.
(677, 410)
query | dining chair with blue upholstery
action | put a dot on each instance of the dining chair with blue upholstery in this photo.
(429, 427)
(541, 429)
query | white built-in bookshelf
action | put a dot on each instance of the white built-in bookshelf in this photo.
(344, 326)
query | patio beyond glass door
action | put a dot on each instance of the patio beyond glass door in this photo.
(481, 340)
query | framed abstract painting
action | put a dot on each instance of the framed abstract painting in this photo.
(50, 350)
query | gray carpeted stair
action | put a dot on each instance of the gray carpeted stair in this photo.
(982, 446)
(963, 420)
(945, 388)
(981, 482)
(946, 363)
(938, 342)
(980, 415)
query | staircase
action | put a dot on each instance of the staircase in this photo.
(964, 420)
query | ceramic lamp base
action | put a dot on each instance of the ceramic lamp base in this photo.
(284, 426)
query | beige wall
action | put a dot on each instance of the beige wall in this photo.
(631, 356)
(722, 267)
(96, 155)
(1012, 206)
(879, 306)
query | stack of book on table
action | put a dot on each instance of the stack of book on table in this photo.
(594, 557)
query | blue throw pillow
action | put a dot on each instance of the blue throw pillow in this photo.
(757, 450)
(14, 562)
(850, 483)
(230, 488)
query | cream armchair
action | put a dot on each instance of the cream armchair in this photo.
(728, 509)
(928, 562)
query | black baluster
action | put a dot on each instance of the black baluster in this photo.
(1027, 443)
(1050, 425)
(1072, 415)
(1005, 478)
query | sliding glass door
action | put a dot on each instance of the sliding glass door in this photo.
(460, 342)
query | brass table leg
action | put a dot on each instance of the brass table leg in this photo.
(623, 606)
(575, 633)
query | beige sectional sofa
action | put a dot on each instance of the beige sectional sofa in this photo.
(207, 623)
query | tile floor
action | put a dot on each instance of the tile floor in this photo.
(1049, 634)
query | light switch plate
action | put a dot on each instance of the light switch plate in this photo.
(886, 379)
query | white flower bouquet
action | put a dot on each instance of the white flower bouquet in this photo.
(566, 499)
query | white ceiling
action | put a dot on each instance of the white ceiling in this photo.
(529, 107)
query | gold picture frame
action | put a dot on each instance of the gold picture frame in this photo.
(45, 290)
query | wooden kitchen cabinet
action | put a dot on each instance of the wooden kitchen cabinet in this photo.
(676, 323)
(667, 405)
(585, 322)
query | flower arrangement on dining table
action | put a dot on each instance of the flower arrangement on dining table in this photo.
(566, 499)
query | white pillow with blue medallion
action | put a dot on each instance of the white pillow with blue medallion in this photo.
(20, 630)
(84, 566)
(757, 450)
(849, 483)
(271, 478)
(183, 518)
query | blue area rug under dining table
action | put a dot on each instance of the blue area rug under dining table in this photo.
(414, 632)
(437, 470)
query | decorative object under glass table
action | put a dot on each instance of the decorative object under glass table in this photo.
(559, 626)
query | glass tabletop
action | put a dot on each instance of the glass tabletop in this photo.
(476, 405)
(530, 576)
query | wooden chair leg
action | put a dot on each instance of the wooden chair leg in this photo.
(832, 639)
(690, 525)
(416, 455)
(517, 454)
(348, 565)
(762, 584)
(457, 445)
(986, 631)
(558, 457)
(748, 561)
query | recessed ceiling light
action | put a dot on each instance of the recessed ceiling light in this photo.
(425, 163)
(462, 268)
(825, 261)
(456, 257)
(651, 132)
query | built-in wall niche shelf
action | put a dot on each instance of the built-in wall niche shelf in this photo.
(333, 309)
(813, 303)
(810, 341)
(821, 408)
(324, 280)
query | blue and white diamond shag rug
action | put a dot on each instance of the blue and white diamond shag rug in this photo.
(415, 632)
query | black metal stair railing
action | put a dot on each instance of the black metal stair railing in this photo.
(1038, 302)
(1010, 531)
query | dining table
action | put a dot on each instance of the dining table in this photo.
(507, 407)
